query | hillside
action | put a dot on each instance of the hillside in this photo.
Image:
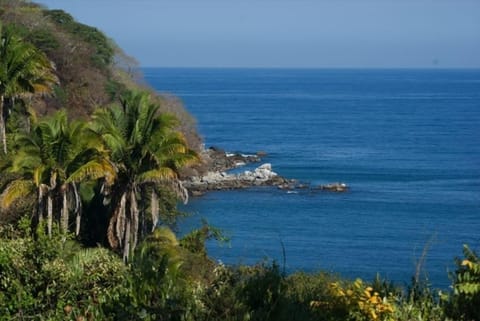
(92, 70)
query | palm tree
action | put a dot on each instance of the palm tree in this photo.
(24, 71)
(52, 160)
(147, 152)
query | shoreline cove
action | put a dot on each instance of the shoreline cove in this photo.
(404, 141)
(218, 177)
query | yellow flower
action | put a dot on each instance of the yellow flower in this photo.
(374, 299)
(467, 263)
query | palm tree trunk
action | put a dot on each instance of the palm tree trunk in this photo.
(49, 214)
(41, 203)
(126, 246)
(180, 190)
(64, 213)
(78, 209)
(3, 133)
(116, 227)
(121, 219)
(134, 213)
(111, 235)
(154, 209)
(51, 189)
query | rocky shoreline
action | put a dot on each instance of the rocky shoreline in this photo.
(215, 176)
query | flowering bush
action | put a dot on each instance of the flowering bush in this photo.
(361, 301)
(465, 301)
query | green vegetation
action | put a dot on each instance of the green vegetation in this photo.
(54, 278)
(130, 151)
(90, 69)
(23, 70)
(51, 160)
(146, 152)
(89, 192)
(465, 302)
(103, 51)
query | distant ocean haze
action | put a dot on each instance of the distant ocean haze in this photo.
(406, 141)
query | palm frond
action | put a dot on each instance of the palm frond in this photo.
(157, 175)
(24, 162)
(25, 69)
(40, 174)
(145, 123)
(14, 191)
(92, 170)
(164, 235)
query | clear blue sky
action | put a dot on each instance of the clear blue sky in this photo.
(288, 33)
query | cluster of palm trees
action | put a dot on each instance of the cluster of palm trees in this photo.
(130, 151)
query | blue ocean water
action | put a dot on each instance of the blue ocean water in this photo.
(407, 142)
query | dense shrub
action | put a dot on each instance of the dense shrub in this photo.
(362, 302)
(159, 288)
(464, 303)
(52, 278)
(309, 297)
(104, 51)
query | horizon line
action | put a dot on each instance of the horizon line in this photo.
(310, 68)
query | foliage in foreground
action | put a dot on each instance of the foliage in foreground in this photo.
(465, 301)
(53, 278)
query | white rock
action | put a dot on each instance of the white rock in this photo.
(264, 172)
(212, 177)
(266, 166)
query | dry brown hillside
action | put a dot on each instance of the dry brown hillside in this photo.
(91, 68)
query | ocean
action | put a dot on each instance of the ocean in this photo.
(407, 142)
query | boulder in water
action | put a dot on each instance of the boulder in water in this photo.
(334, 187)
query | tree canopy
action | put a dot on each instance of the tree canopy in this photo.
(51, 160)
(147, 152)
(24, 71)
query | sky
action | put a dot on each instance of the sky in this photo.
(288, 33)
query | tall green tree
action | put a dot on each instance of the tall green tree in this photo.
(24, 71)
(147, 153)
(51, 161)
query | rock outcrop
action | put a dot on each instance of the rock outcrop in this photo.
(261, 176)
(218, 160)
(333, 187)
(216, 177)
